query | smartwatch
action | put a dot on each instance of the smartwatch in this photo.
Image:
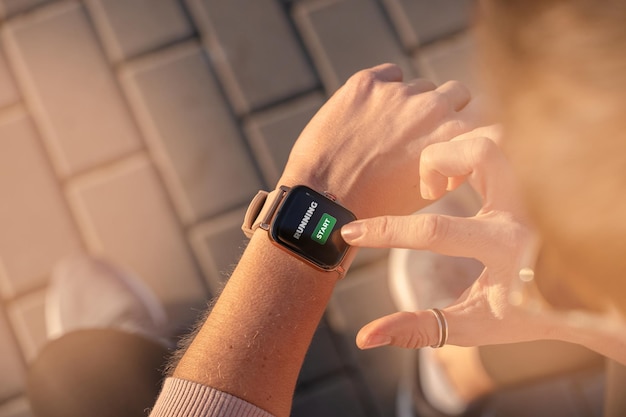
(303, 222)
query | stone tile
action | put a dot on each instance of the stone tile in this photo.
(358, 299)
(8, 90)
(11, 7)
(450, 59)
(322, 358)
(345, 36)
(133, 27)
(28, 317)
(255, 51)
(11, 363)
(68, 85)
(37, 229)
(124, 215)
(591, 389)
(191, 133)
(552, 397)
(422, 21)
(273, 132)
(218, 245)
(17, 407)
(367, 256)
(337, 397)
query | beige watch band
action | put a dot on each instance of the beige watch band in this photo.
(262, 209)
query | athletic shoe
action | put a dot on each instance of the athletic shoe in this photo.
(89, 293)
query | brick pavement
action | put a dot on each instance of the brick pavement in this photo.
(140, 129)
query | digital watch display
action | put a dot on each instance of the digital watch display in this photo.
(303, 222)
(309, 223)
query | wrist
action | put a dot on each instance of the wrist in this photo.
(304, 223)
(344, 192)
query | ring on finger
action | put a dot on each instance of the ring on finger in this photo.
(443, 327)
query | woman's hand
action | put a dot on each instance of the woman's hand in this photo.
(497, 235)
(364, 144)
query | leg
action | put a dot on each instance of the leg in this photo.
(101, 372)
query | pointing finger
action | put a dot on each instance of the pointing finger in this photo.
(481, 238)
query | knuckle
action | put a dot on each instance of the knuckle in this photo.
(456, 85)
(432, 230)
(435, 104)
(482, 149)
(362, 80)
(414, 339)
(384, 229)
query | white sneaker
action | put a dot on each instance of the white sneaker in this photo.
(88, 293)
(420, 280)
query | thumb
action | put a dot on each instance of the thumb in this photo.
(407, 330)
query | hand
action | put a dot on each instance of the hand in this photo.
(496, 236)
(364, 144)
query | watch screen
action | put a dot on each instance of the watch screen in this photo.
(309, 223)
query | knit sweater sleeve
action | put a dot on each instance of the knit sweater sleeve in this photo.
(180, 398)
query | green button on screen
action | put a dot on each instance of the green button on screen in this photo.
(323, 229)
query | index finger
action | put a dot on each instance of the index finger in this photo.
(484, 238)
(387, 72)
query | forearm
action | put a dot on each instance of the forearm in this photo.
(254, 341)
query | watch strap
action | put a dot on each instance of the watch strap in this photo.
(262, 209)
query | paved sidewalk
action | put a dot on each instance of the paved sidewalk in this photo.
(140, 130)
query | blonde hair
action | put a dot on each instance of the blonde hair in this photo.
(557, 72)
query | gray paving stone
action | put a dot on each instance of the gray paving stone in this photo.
(190, 131)
(337, 397)
(322, 358)
(254, 49)
(17, 407)
(592, 392)
(422, 21)
(133, 27)
(218, 245)
(10, 7)
(273, 132)
(11, 364)
(36, 225)
(367, 256)
(358, 299)
(124, 215)
(450, 59)
(8, 90)
(554, 397)
(27, 315)
(344, 36)
(68, 85)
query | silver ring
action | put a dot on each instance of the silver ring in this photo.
(443, 327)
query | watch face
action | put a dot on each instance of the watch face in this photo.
(309, 224)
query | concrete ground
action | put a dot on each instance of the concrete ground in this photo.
(139, 130)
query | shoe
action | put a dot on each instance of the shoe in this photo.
(420, 280)
(90, 293)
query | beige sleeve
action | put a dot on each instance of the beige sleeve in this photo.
(180, 398)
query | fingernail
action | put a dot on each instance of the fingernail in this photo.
(425, 191)
(352, 231)
(377, 340)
